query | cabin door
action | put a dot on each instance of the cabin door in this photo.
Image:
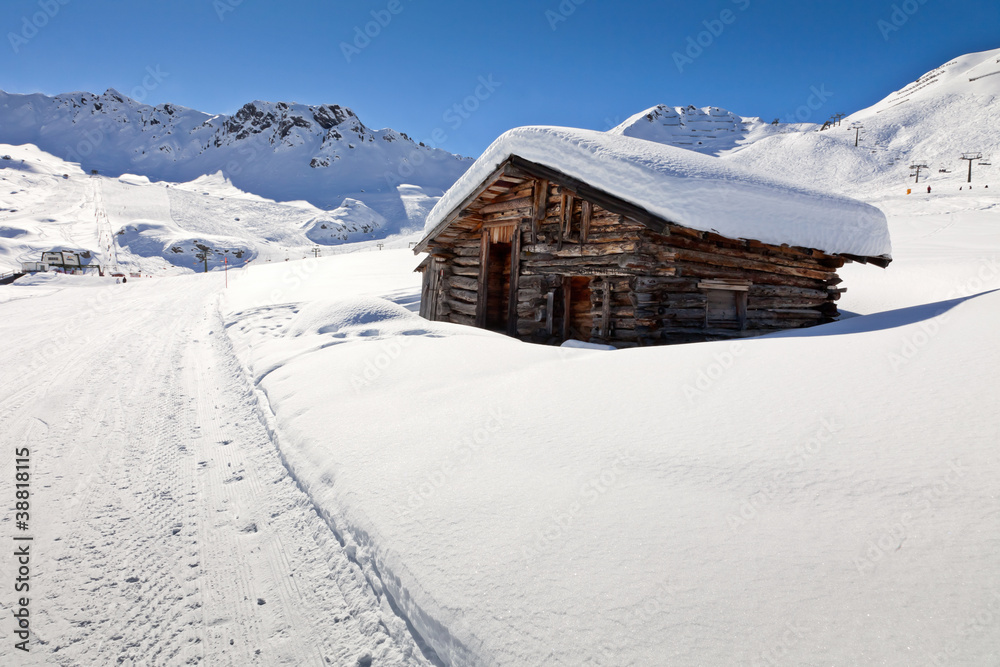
(573, 318)
(498, 277)
(498, 287)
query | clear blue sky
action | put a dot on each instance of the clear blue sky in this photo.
(581, 63)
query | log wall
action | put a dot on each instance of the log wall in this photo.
(585, 272)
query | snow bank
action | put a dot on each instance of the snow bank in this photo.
(518, 514)
(687, 188)
(342, 315)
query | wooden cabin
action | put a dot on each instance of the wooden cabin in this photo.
(541, 255)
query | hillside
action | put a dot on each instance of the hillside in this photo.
(934, 120)
(284, 152)
(49, 204)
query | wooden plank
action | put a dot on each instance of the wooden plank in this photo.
(539, 208)
(607, 201)
(509, 205)
(454, 215)
(562, 219)
(606, 311)
(567, 288)
(587, 214)
(550, 304)
(515, 270)
(484, 262)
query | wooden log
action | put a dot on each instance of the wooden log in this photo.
(716, 259)
(591, 250)
(459, 318)
(462, 295)
(507, 205)
(461, 307)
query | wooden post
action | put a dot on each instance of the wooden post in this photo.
(588, 213)
(484, 275)
(550, 304)
(515, 270)
(562, 219)
(606, 311)
(540, 207)
(567, 288)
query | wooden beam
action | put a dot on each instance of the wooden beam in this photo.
(550, 304)
(588, 213)
(515, 270)
(603, 199)
(606, 311)
(456, 213)
(484, 274)
(567, 289)
(509, 205)
(539, 208)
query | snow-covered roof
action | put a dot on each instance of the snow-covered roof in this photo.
(685, 188)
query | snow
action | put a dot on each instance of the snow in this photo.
(281, 151)
(297, 469)
(697, 191)
(932, 121)
(570, 506)
(164, 225)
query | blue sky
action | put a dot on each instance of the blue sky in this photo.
(581, 63)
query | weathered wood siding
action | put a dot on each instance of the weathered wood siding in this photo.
(581, 271)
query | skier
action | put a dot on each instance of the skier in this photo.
(118, 281)
(124, 280)
(928, 189)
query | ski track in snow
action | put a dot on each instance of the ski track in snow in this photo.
(159, 497)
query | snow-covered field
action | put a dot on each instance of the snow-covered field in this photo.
(285, 465)
(302, 439)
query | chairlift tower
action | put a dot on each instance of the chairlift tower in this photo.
(970, 158)
(918, 167)
(857, 127)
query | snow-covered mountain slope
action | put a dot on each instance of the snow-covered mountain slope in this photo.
(947, 112)
(136, 225)
(285, 152)
(709, 130)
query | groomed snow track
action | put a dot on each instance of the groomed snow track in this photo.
(167, 529)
